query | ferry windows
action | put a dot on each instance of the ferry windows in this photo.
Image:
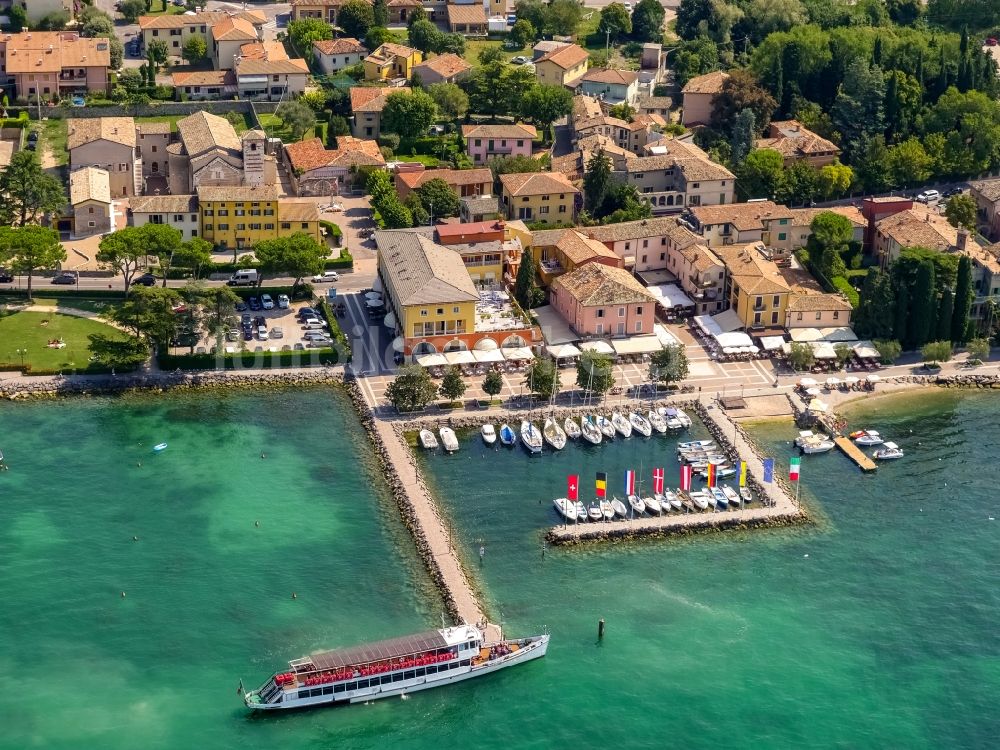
(315, 692)
(420, 672)
(362, 684)
(409, 674)
(386, 679)
(338, 688)
(397, 677)
(303, 694)
(328, 690)
(432, 669)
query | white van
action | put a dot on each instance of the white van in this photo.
(244, 277)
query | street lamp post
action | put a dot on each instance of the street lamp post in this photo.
(22, 352)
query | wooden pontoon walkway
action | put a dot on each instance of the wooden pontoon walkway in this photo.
(854, 453)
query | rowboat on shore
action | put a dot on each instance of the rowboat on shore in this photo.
(721, 501)
(554, 434)
(590, 431)
(731, 496)
(571, 428)
(622, 425)
(699, 499)
(427, 440)
(607, 510)
(640, 424)
(672, 499)
(594, 512)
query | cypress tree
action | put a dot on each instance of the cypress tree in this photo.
(919, 72)
(946, 308)
(963, 300)
(900, 330)
(891, 107)
(877, 51)
(942, 79)
(922, 306)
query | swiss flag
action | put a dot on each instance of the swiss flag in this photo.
(572, 486)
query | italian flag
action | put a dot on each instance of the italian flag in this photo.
(793, 469)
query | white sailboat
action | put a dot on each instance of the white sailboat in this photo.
(531, 437)
(604, 425)
(640, 424)
(590, 431)
(428, 440)
(448, 439)
(657, 421)
(571, 428)
(554, 434)
(621, 425)
(489, 434)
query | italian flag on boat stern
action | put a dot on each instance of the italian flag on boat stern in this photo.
(743, 473)
(657, 481)
(601, 485)
(710, 478)
(629, 482)
(572, 486)
(686, 477)
(793, 469)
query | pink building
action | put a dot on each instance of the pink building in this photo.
(51, 64)
(483, 142)
(599, 300)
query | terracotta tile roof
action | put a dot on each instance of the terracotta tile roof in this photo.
(693, 163)
(293, 66)
(267, 50)
(289, 210)
(153, 128)
(744, 217)
(750, 270)
(566, 57)
(791, 139)
(203, 131)
(918, 227)
(585, 107)
(388, 52)
(344, 46)
(520, 130)
(51, 51)
(454, 177)
(536, 183)
(988, 257)
(611, 76)
(311, 154)
(83, 130)
(89, 184)
(710, 83)
(467, 14)
(818, 303)
(449, 233)
(700, 257)
(372, 99)
(446, 66)
(233, 29)
(655, 102)
(208, 193)
(596, 284)
(481, 204)
(204, 78)
(421, 272)
(988, 189)
(575, 245)
(163, 204)
(634, 230)
(206, 18)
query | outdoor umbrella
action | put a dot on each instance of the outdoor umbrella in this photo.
(808, 382)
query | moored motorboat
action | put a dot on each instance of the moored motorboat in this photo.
(591, 433)
(607, 510)
(594, 512)
(571, 428)
(640, 424)
(581, 511)
(621, 425)
(604, 425)
(662, 500)
(731, 496)
(531, 438)
(393, 667)
(699, 499)
(566, 508)
(619, 507)
(683, 418)
(670, 415)
(428, 440)
(868, 438)
(159, 447)
(507, 434)
(448, 439)
(817, 444)
(652, 506)
(554, 434)
(721, 501)
(489, 434)
(638, 506)
(657, 421)
(745, 495)
(703, 444)
(675, 502)
(888, 451)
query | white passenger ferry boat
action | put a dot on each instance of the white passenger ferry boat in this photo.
(392, 667)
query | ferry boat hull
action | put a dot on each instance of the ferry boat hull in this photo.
(468, 663)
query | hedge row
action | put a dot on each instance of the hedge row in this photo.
(248, 360)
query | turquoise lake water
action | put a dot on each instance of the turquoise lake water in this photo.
(872, 628)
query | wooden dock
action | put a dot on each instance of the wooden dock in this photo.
(854, 453)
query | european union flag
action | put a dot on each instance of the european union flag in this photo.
(768, 470)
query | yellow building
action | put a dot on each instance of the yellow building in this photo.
(563, 66)
(540, 197)
(240, 217)
(391, 61)
(560, 251)
(755, 287)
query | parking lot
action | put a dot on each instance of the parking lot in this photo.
(275, 329)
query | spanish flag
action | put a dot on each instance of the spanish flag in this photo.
(602, 484)
(743, 473)
(710, 478)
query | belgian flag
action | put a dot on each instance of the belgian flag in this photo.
(602, 484)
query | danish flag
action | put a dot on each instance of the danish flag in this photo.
(657, 481)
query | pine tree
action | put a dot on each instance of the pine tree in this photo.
(742, 140)
(963, 300)
(596, 182)
(381, 13)
(942, 79)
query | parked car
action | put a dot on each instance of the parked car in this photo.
(277, 332)
(991, 42)
(233, 334)
(262, 333)
(241, 306)
(266, 302)
(953, 191)
(147, 279)
(315, 335)
(283, 301)
(306, 312)
(314, 323)
(259, 321)
(325, 276)
(519, 60)
(66, 277)
(246, 319)
(928, 195)
(254, 303)
(6, 276)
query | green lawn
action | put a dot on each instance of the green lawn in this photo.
(31, 331)
(172, 119)
(427, 161)
(74, 302)
(164, 7)
(53, 134)
(475, 47)
(274, 127)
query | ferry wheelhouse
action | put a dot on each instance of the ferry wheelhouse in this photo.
(391, 667)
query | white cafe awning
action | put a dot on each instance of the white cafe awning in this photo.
(432, 360)
(823, 350)
(390, 321)
(865, 350)
(770, 343)
(707, 325)
(601, 347)
(377, 285)
(398, 344)
(733, 339)
(491, 355)
(670, 296)
(666, 337)
(555, 330)
(637, 345)
(463, 357)
(806, 334)
(562, 351)
(843, 333)
(728, 321)
(518, 352)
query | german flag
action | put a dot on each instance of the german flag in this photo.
(711, 475)
(602, 484)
